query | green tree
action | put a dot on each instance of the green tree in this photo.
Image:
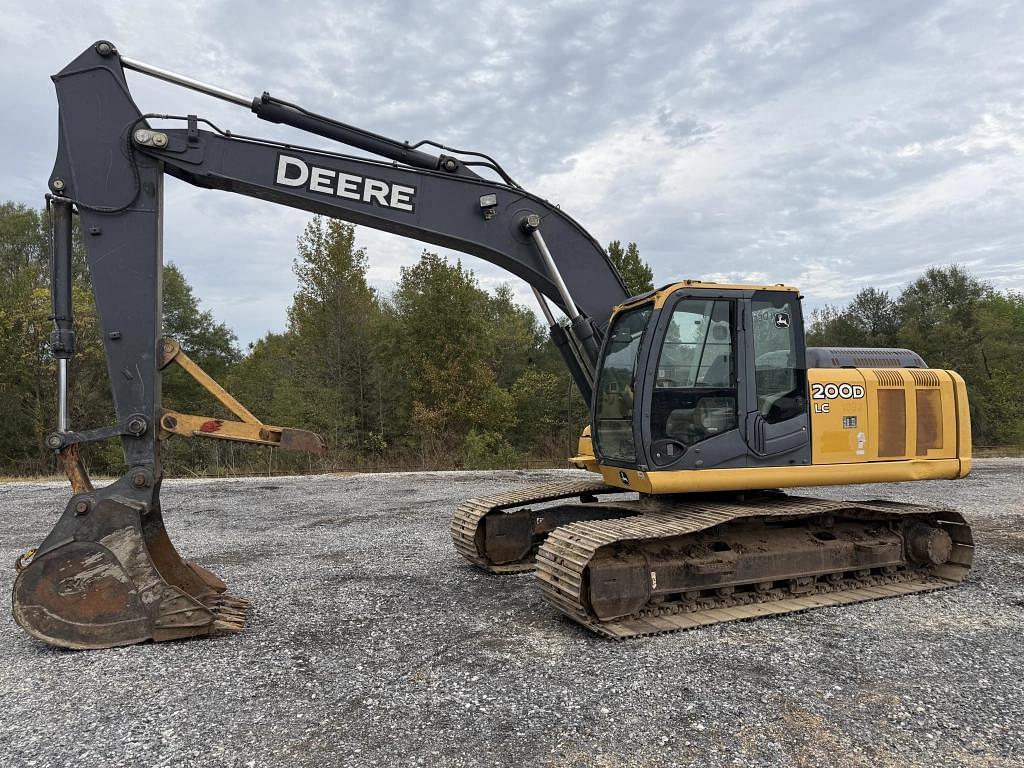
(939, 318)
(539, 399)
(333, 321)
(997, 393)
(488, 450)
(514, 335)
(875, 316)
(871, 319)
(24, 329)
(445, 342)
(827, 327)
(635, 272)
(265, 381)
(23, 244)
(447, 365)
(27, 370)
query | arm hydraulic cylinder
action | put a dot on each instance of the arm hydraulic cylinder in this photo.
(62, 338)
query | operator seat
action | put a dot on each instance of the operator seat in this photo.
(717, 374)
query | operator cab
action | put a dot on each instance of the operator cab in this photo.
(701, 375)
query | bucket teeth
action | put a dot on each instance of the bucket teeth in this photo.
(230, 613)
(220, 625)
(227, 604)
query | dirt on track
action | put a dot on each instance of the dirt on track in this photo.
(372, 643)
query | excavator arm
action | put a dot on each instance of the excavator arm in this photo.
(107, 574)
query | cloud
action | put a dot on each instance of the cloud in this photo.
(827, 144)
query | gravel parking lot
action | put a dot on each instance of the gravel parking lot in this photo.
(372, 643)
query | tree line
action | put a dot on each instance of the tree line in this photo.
(438, 373)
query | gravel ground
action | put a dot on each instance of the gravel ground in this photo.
(372, 643)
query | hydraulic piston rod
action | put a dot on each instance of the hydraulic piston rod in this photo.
(186, 82)
(274, 110)
(556, 276)
(62, 395)
(581, 372)
(544, 307)
(581, 327)
(62, 338)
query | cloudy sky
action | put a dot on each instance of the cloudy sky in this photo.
(831, 145)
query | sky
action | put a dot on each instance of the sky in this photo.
(828, 145)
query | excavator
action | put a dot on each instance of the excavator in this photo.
(705, 403)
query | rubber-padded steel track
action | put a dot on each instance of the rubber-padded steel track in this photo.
(466, 525)
(563, 559)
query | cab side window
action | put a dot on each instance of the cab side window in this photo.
(780, 377)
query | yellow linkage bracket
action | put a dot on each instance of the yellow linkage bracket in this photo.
(248, 430)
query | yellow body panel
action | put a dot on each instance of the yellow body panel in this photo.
(756, 478)
(584, 458)
(840, 427)
(866, 414)
(963, 420)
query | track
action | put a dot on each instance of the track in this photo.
(662, 531)
(468, 524)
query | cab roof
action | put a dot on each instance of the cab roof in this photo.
(660, 295)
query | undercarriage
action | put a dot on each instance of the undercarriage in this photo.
(626, 567)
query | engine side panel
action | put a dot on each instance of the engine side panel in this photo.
(884, 414)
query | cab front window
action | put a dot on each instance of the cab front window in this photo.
(616, 386)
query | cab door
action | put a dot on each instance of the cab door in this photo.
(695, 399)
(777, 423)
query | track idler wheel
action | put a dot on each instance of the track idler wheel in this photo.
(927, 545)
(108, 575)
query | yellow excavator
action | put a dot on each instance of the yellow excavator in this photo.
(707, 403)
(704, 400)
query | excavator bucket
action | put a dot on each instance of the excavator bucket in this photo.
(108, 575)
